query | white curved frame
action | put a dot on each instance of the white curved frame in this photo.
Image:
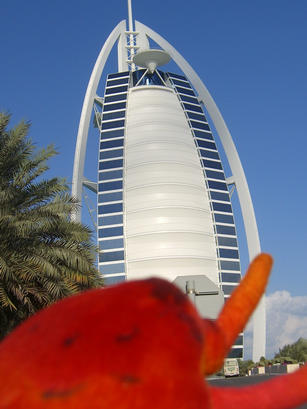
(238, 176)
(77, 180)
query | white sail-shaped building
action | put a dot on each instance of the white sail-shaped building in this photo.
(163, 202)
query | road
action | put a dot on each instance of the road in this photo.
(244, 381)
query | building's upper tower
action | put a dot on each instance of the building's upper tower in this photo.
(163, 204)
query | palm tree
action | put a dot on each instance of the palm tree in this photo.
(44, 256)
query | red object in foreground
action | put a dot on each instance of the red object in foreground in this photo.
(137, 345)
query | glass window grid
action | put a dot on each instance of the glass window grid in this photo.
(111, 185)
(185, 91)
(116, 106)
(206, 144)
(220, 186)
(202, 134)
(222, 207)
(106, 154)
(212, 164)
(112, 143)
(112, 268)
(119, 74)
(111, 232)
(181, 83)
(173, 75)
(230, 277)
(223, 218)
(186, 98)
(197, 117)
(214, 175)
(114, 134)
(111, 244)
(116, 90)
(111, 164)
(205, 153)
(115, 98)
(106, 125)
(191, 107)
(111, 256)
(228, 253)
(111, 82)
(110, 174)
(110, 209)
(219, 196)
(113, 115)
(110, 197)
(199, 125)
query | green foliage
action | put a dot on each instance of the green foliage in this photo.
(245, 366)
(296, 351)
(43, 255)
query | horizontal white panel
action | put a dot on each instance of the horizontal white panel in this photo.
(154, 133)
(174, 154)
(170, 268)
(169, 219)
(175, 244)
(163, 173)
(149, 197)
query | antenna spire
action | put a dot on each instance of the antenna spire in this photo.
(130, 19)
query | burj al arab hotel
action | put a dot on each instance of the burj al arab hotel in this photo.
(163, 199)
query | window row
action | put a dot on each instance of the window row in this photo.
(209, 154)
(227, 230)
(224, 218)
(111, 134)
(212, 164)
(114, 280)
(224, 197)
(231, 277)
(114, 153)
(110, 232)
(115, 268)
(186, 98)
(200, 125)
(189, 107)
(227, 241)
(228, 253)
(115, 143)
(113, 115)
(119, 81)
(119, 74)
(114, 98)
(111, 164)
(110, 197)
(113, 174)
(206, 144)
(111, 244)
(235, 353)
(111, 256)
(113, 107)
(197, 117)
(110, 220)
(230, 265)
(116, 90)
(185, 91)
(221, 207)
(113, 124)
(203, 135)
(172, 75)
(182, 83)
(228, 289)
(217, 185)
(115, 185)
(211, 174)
(110, 208)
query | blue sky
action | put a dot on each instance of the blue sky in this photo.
(252, 58)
